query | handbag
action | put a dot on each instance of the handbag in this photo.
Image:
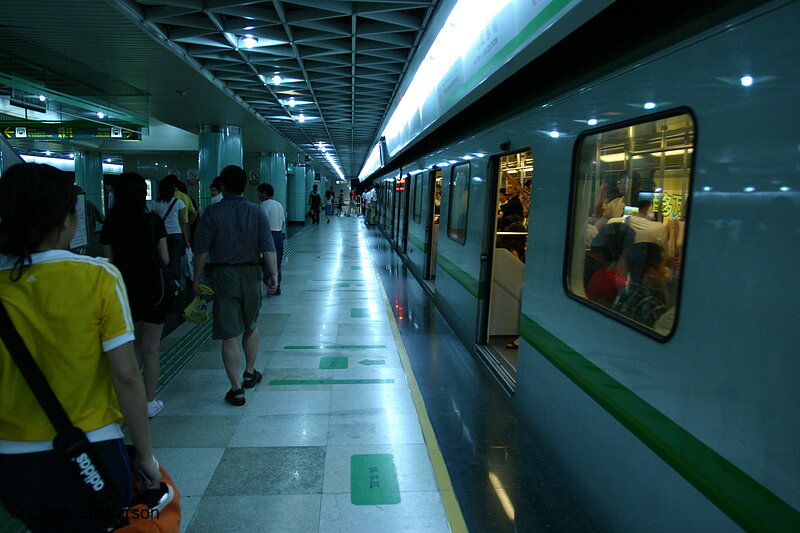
(166, 293)
(70, 442)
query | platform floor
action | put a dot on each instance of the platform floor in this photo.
(342, 435)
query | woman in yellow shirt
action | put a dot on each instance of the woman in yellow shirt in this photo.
(73, 315)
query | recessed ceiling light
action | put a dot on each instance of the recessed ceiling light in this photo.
(592, 122)
(649, 105)
(555, 134)
(746, 81)
(100, 114)
(42, 98)
(276, 79)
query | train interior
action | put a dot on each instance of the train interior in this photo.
(512, 198)
(435, 183)
(629, 209)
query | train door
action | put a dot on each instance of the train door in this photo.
(432, 222)
(507, 249)
(405, 192)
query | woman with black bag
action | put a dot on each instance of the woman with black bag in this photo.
(135, 240)
(71, 314)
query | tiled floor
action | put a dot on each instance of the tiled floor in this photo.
(282, 463)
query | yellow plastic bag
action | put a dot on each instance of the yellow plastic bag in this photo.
(197, 310)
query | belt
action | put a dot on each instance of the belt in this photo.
(245, 264)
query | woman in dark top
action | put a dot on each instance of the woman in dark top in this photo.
(135, 240)
(513, 207)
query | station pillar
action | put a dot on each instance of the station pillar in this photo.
(272, 167)
(218, 147)
(297, 199)
(89, 176)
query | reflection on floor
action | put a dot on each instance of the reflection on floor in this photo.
(503, 482)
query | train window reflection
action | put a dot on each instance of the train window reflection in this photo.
(630, 205)
(459, 203)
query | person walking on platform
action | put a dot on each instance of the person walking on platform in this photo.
(172, 211)
(276, 216)
(314, 203)
(71, 313)
(135, 241)
(329, 195)
(235, 232)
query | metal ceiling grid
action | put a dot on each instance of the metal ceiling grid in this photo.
(340, 63)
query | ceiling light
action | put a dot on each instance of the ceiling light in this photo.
(246, 28)
(72, 155)
(749, 189)
(249, 41)
(649, 105)
(276, 79)
(746, 81)
(706, 188)
(555, 134)
(480, 154)
(301, 118)
(592, 122)
(659, 189)
(292, 102)
(108, 160)
(467, 157)
(100, 114)
(786, 189)
(42, 98)
(47, 152)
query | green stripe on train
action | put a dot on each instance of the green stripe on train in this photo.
(475, 288)
(743, 499)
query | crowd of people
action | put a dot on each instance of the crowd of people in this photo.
(93, 325)
(633, 258)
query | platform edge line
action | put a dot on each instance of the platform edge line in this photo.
(452, 509)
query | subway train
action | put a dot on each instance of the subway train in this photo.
(637, 234)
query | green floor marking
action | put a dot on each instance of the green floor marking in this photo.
(330, 381)
(373, 480)
(370, 362)
(337, 347)
(360, 312)
(329, 363)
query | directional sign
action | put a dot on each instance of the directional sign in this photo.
(69, 130)
(370, 362)
(373, 480)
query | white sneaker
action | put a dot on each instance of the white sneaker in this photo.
(154, 408)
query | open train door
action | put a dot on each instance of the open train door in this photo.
(504, 255)
(434, 187)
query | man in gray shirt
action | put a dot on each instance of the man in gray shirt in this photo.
(236, 232)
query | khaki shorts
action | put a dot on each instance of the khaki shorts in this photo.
(237, 300)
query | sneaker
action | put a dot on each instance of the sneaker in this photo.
(154, 408)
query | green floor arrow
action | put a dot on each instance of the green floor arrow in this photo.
(370, 362)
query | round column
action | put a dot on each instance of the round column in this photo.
(272, 167)
(89, 176)
(296, 194)
(218, 147)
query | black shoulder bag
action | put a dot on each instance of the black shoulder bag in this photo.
(167, 289)
(71, 442)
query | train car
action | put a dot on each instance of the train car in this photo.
(637, 236)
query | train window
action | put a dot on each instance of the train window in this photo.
(459, 203)
(629, 209)
(417, 192)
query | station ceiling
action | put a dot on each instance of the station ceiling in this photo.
(193, 62)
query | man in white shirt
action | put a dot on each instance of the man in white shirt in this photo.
(646, 230)
(276, 216)
(216, 191)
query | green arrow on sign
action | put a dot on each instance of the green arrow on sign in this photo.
(370, 362)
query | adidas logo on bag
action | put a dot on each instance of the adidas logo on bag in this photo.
(89, 472)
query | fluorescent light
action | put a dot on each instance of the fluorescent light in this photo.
(749, 189)
(47, 152)
(108, 160)
(467, 157)
(292, 102)
(649, 105)
(613, 158)
(246, 28)
(592, 122)
(786, 189)
(42, 98)
(746, 81)
(249, 41)
(100, 114)
(480, 154)
(72, 155)
(706, 188)
(673, 152)
(301, 118)
(555, 134)
(276, 79)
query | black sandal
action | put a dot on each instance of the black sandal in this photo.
(251, 380)
(235, 397)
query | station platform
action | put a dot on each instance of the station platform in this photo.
(371, 416)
